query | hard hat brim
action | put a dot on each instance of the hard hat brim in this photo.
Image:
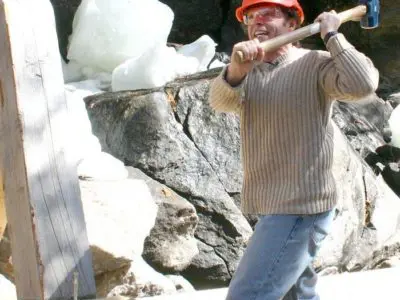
(240, 10)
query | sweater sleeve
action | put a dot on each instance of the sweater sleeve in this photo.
(347, 73)
(223, 97)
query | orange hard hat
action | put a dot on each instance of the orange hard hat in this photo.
(286, 3)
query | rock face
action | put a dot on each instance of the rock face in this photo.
(172, 135)
(368, 213)
(363, 122)
(385, 160)
(144, 130)
(170, 245)
(119, 216)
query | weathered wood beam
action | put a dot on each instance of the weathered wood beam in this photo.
(3, 216)
(42, 197)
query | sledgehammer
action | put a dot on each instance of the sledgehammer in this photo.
(367, 13)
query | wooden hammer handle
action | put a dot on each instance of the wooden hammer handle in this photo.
(354, 14)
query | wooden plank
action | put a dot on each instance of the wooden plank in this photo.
(44, 210)
(3, 216)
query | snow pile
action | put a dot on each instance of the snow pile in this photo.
(84, 148)
(394, 123)
(127, 40)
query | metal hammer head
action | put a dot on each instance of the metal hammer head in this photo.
(372, 17)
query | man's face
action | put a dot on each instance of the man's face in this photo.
(266, 22)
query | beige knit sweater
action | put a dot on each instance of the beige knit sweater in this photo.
(286, 134)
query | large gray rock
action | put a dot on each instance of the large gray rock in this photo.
(368, 213)
(385, 160)
(394, 99)
(136, 280)
(171, 244)
(363, 122)
(208, 270)
(173, 136)
(142, 129)
(119, 216)
(216, 136)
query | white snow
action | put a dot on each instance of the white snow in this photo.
(82, 142)
(84, 147)
(102, 166)
(394, 124)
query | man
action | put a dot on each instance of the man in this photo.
(284, 100)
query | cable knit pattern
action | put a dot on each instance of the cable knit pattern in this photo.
(286, 130)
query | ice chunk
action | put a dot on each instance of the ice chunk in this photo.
(394, 124)
(203, 49)
(162, 64)
(153, 69)
(71, 71)
(106, 33)
(81, 141)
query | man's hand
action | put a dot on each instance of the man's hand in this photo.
(252, 53)
(329, 22)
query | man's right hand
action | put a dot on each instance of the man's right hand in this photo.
(237, 69)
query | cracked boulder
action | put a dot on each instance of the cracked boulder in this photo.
(216, 136)
(367, 217)
(171, 245)
(386, 161)
(172, 135)
(137, 280)
(363, 122)
(119, 216)
(143, 129)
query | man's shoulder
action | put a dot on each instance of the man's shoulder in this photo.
(314, 55)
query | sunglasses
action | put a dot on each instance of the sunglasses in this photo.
(261, 15)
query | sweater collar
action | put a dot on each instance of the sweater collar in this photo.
(281, 60)
(285, 57)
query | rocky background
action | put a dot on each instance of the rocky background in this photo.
(172, 223)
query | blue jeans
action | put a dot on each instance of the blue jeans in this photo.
(278, 260)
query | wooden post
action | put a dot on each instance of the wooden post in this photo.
(3, 216)
(46, 221)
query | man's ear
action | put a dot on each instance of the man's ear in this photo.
(292, 24)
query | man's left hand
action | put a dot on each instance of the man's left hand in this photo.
(330, 21)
